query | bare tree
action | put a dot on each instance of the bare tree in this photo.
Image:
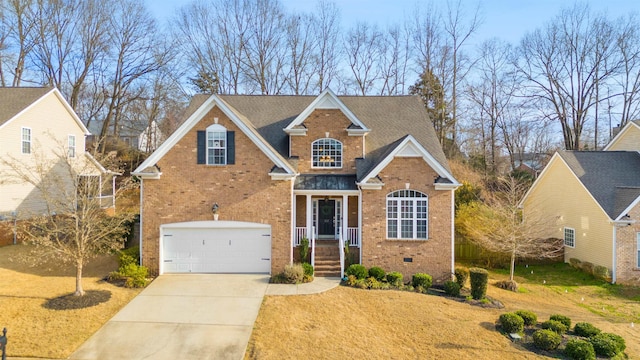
(301, 46)
(628, 45)
(4, 44)
(564, 63)
(363, 49)
(75, 227)
(327, 20)
(21, 25)
(497, 225)
(395, 53)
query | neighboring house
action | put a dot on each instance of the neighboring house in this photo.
(38, 128)
(531, 163)
(146, 140)
(366, 171)
(591, 199)
(627, 138)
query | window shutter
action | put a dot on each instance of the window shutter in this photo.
(202, 147)
(231, 148)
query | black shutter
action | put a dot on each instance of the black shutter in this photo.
(231, 148)
(202, 147)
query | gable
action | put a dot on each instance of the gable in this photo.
(628, 139)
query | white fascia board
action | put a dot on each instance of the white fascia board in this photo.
(315, 105)
(280, 176)
(146, 176)
(447, 186)
(97, 164)
(358, 132)
(367, 186)
(426, 156)
(633, 204)
(209, 104)
(296, 132)
(620, 134)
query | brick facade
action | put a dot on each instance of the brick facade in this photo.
(627, 251)
(244, 191)
(432, 256)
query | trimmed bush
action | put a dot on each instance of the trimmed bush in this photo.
(555, 326)
(377, 273)
(462, 274)
(607, 344)
(563, 319)
(479, 279)
(511, 323)
(294, 273)
(308, 269)
(529, 317)
(586, 329)
(578, 349)
(451, 288)
(510, 285)
(357, 270)
(129, 256)
(395, 278)
(421, 282)
(546, 339)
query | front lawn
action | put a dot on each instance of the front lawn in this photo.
(30, 310)
(380, 324)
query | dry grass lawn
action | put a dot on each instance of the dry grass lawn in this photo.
(35, 331)
(350, 323)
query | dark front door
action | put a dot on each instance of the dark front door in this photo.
(326, 214)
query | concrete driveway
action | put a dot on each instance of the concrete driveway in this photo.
(194, 316)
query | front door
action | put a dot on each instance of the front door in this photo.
(326, 217)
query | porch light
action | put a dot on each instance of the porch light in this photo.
(214, 210)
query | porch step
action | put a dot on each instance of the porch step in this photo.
(327, 266)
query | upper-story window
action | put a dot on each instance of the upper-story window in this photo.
(326, 153)
(26, 140)
(216, 145)
(72, 146)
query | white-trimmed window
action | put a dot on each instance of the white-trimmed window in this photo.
(26, 140)
(638, 249)
(216, 145)
(407, 215)
(72, 145)
(326, 153)
(569, 237)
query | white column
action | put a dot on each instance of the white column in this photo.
(310, 228)
(345, 217)
(293, 223)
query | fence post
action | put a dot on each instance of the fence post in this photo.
(3, 344)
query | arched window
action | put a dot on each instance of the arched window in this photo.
(407, 215)
(326, 153)
(216, 145)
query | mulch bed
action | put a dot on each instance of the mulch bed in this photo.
(72, 302)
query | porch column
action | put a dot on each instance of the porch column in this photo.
(310, 228)
(345, 218)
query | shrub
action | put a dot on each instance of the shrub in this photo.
(546, 339)
(372, 283)
(462, 274)
(579, 349)
(377, 273)
(585, 329)
(294, 273)
(575, 263)
(601, 272)
(479, 278)
(395, 278)
(507, 285)
(308, 269)
(357, 270)
(134, 275)
(529, 317)
(608, 345)
(561, 318)
(351, 280)
(511, 323)
(555, 326)
(587, 267)
(304, 249)
(451, 288)
(421, 281)
(129, 256)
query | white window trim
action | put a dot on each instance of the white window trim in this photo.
(564, 237)
(216, 128)
(23, 141)
(313, 166)
(414, 219)
(71, 149)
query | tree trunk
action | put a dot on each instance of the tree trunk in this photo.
(79, 290)
(513, 265)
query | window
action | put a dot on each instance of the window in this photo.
(407, 212)
(216, 145)
(326, 153)
(72, 146)
(638, 249)
(569, 237)
(26, 140)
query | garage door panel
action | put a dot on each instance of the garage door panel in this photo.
(217, 250)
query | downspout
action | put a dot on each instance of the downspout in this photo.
(360, 223)
(141, 227)
(453, 233)
(293, 221)
(614, 255)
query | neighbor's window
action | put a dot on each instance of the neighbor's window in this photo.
(407, 215)
(326, 153)
(26, 140)
(72, 146)
(569, 237)
(216, 145)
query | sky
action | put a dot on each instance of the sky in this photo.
(508, 20)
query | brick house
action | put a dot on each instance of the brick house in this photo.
(245, 179)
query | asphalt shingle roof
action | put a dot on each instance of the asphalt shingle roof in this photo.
(612, 177)
(390, 119)
(15, 99)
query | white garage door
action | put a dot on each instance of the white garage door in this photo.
(215, 247)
